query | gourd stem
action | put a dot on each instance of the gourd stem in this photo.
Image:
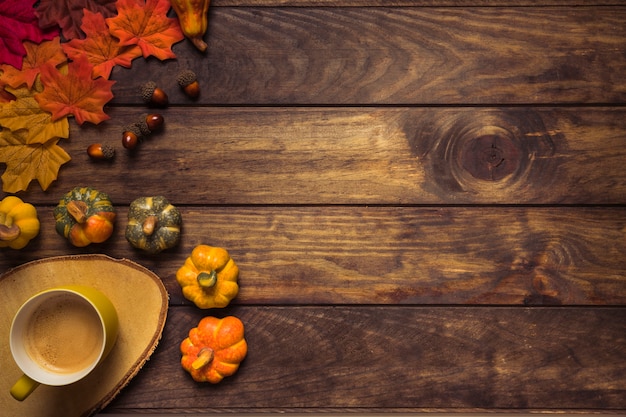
(199, 43)
(149, 225)
(9, 233)
(78, 210)
(205, 356)
(207, 279)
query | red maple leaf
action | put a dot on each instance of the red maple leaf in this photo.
(76, 93)
(68, 14)
(18, 23)
(146, 24)
(103, 50)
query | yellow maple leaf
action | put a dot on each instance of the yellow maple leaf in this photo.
(27, 162)
(25, 113)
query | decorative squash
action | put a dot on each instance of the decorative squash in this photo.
(153, 224)
(214, 349)
(85, 216)
(209, 277)
(193, 18)
(18, 222)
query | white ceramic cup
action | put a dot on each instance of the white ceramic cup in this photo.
(60, 335)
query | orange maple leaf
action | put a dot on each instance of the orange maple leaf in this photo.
(36, 56)
(146, 24)
(76, 93)
(103, 50)
(40, 161)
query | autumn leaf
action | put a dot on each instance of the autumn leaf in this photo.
(76, 93)
(18, 22)
(68, 14)
(24, 113)
(27, 162)
(146, 24)
(36, 56)
(103, 50)
(5, 96)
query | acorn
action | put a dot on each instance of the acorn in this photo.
(188, 81)
(154, 121)
(99, 151)
(153, 95)
(131, 136)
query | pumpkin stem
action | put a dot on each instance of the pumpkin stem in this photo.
(149, 225)
(205, 356)
(9, 233)
(78, 210)
(207, 279)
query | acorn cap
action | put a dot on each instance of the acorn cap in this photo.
(143, 128)
(147, 90)
(186, 77)
(134, 128)
(108, 151)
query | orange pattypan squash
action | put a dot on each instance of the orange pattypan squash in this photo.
(209, 277)
(214, 349)
(85, 216)
(18, 222)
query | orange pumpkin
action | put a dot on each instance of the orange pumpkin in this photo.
(214, 349)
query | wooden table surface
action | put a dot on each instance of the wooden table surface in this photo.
(425, 199)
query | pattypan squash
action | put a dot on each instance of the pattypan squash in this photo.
(214, 349)
(209, 277)
(18, 222)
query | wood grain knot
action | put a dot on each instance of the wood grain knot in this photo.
(490, 157)
(486, 155)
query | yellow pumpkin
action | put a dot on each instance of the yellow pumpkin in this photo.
(209, 277)
(18, 223)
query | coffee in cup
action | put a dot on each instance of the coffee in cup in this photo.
(60, 335)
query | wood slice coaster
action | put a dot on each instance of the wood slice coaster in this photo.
(141, 302)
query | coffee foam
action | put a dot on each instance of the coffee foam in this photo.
(64, 335)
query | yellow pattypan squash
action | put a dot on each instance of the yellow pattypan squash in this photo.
(18, 222)
(209, 277)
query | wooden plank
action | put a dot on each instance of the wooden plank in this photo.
(402, 359)
(412, 3)
(371, 55)
(392, 255)
(358, 156)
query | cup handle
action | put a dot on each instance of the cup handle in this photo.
(23, 387)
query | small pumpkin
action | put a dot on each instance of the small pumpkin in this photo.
(85, 215)
(209, 277)
(214, 349)
(153, 224)
(18, 222)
